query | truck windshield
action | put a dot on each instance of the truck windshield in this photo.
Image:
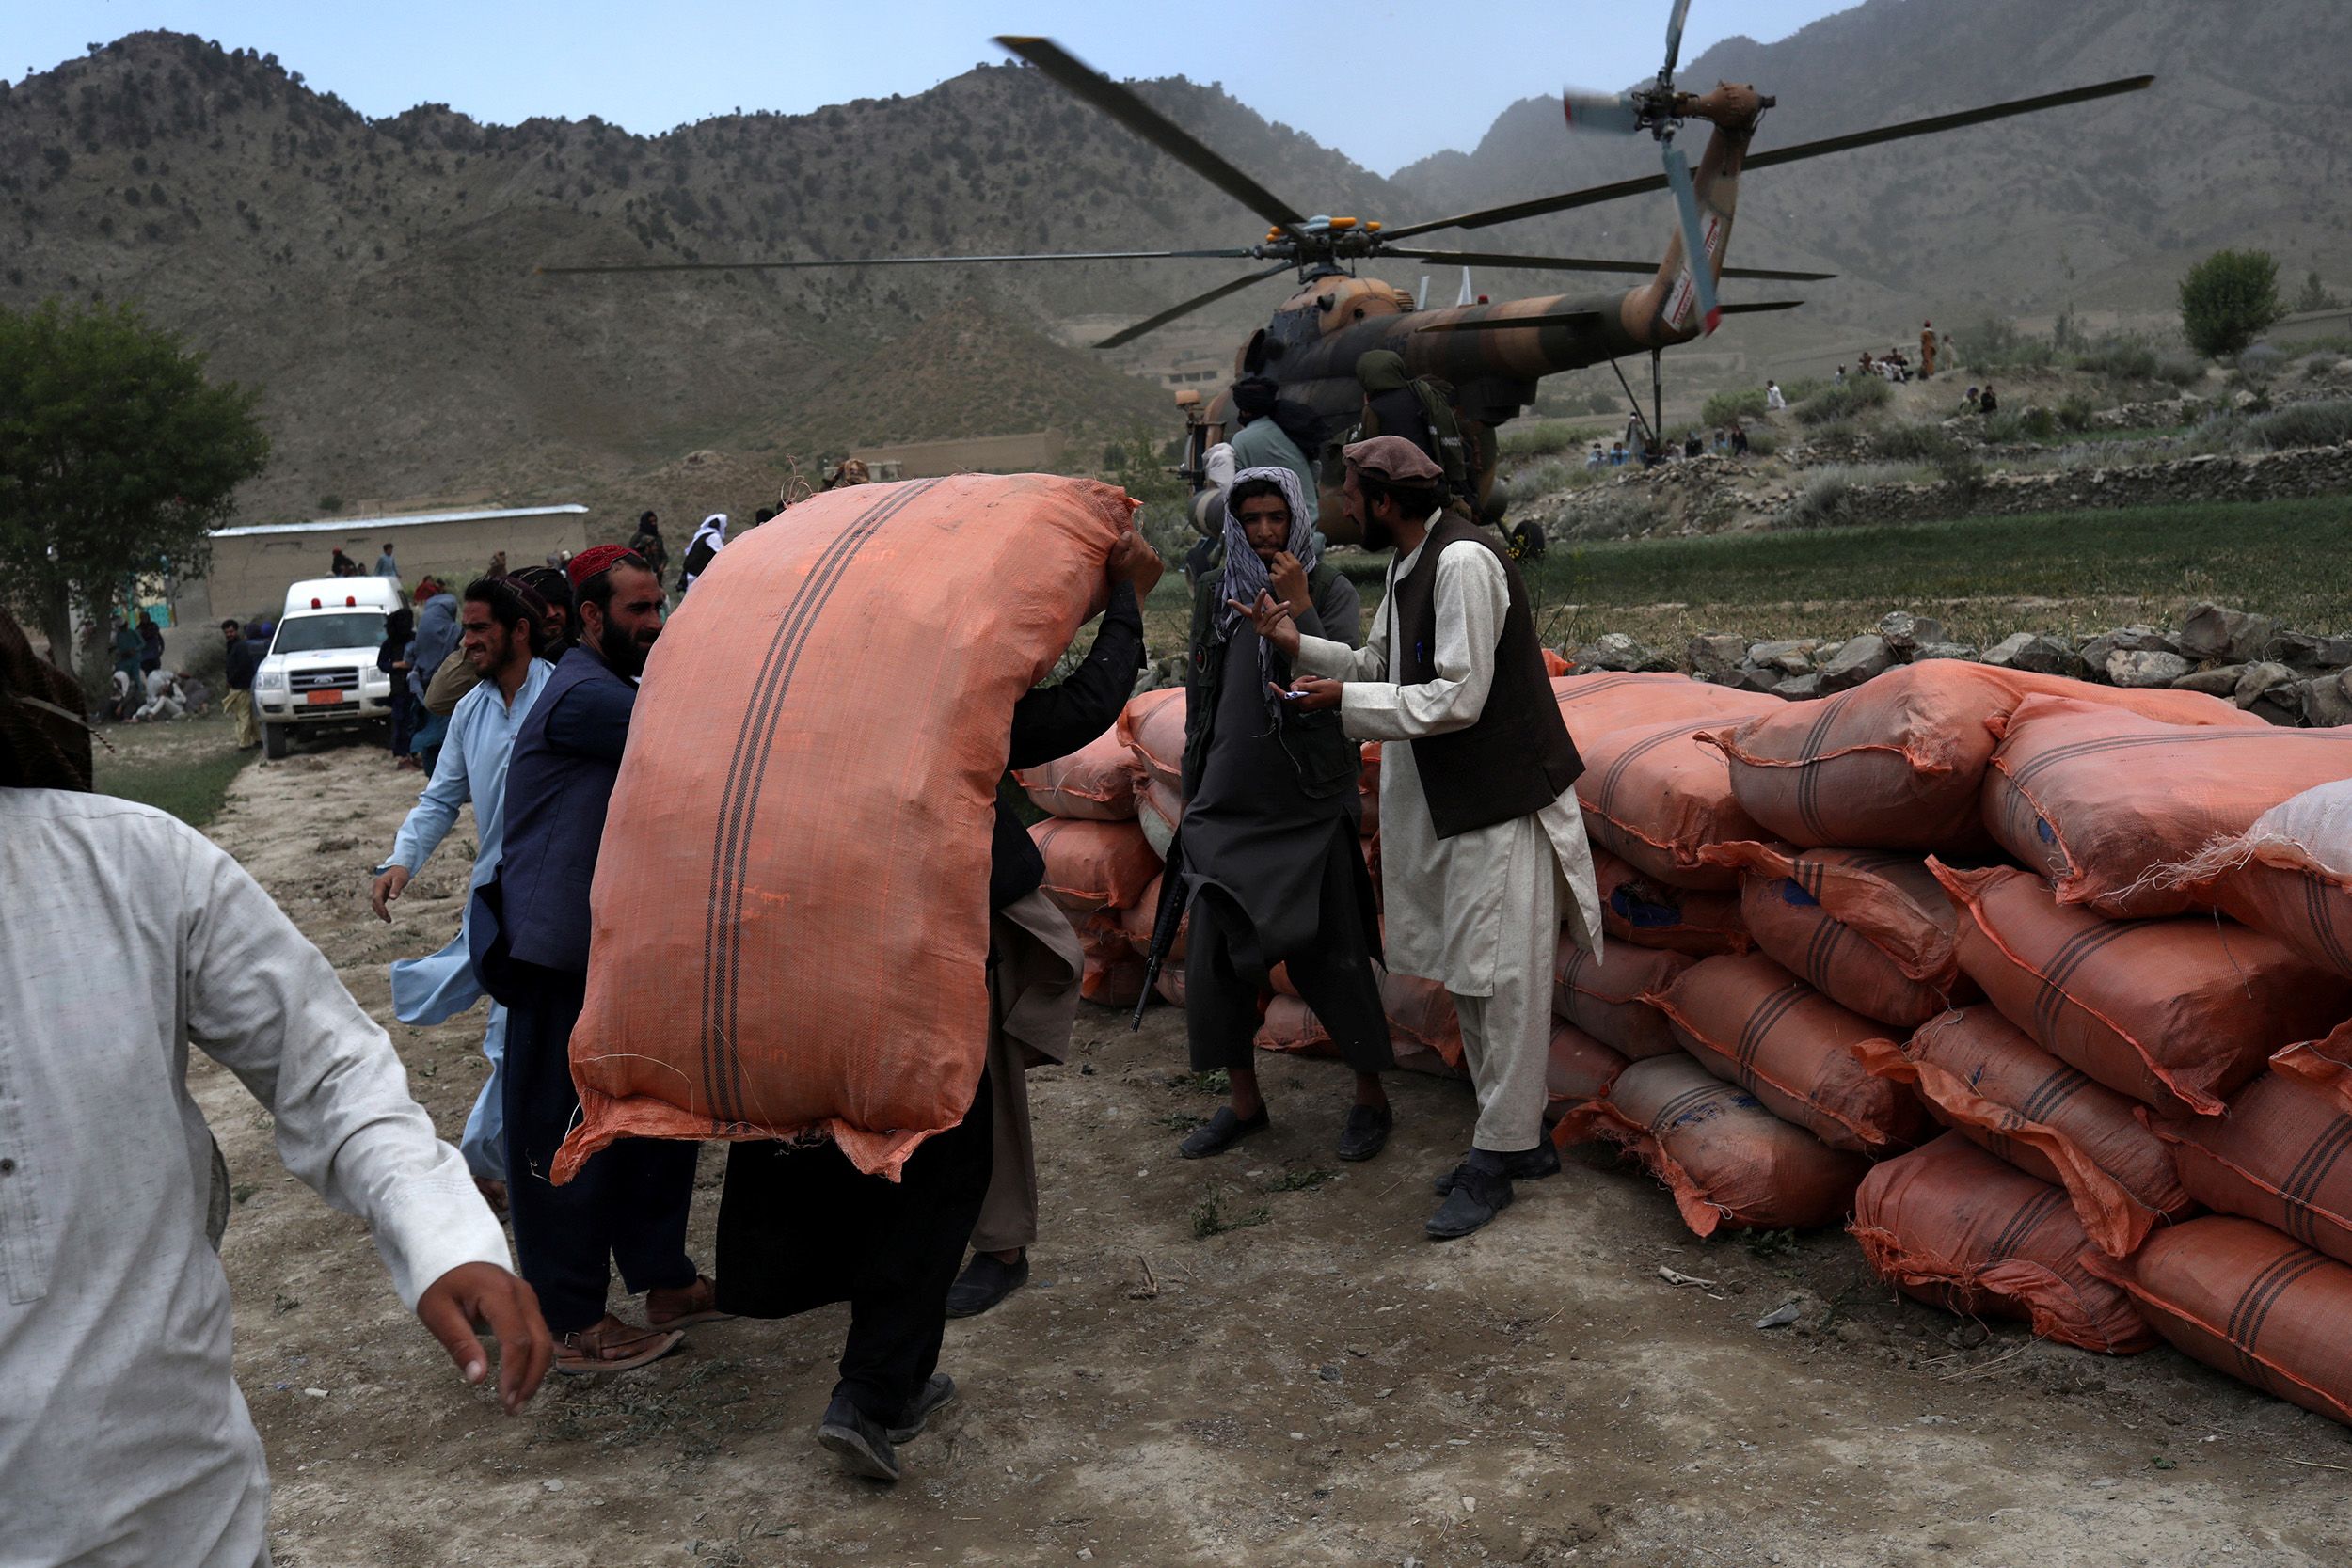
(304, 634)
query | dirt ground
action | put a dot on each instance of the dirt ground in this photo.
(1325, 1386)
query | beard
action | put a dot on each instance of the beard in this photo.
(1378, 535)
(622, 652)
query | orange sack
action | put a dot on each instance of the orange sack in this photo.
(790, 906)
(1984, 1078)
(1657, 798)
(1608, 997)
(2281, 1154)
(1593, 706)
(1650, 913)
(2175, 1013)
(1897, 762)
(1094, 866)
(1097, 782)
(1420, 1012)
(1138, 919)
(2323, 1064)
(2249, 1301)
(1291, 1026)
(1580, 1069)
(2103, 802)
(1791, 922)
(1953, 1227)
(1751, 1023)
(2290, 874)
(1727, 1161)
(1112, 974)
(1151, 727)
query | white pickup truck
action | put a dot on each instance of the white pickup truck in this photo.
(321, 667)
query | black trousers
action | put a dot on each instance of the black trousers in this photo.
(801, 1227)
(628, 1205)
(1335, 977)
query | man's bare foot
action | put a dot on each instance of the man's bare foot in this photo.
(493, 1192)
(685, 1305)
(609, 1345)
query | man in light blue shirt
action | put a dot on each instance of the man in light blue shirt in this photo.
(504, 629)
(1270, 436)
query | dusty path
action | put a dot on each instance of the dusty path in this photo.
(1323, 1387)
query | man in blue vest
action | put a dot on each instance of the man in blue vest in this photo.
(628, 1205)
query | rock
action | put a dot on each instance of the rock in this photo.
(2256, 681)
(1822, 653)
(2326, 702)
(2309, 652)
(1714, 654)
(2127, 640)
(1857, 661)
(2219, 682)
(1799, 689)
(2127, 667)
(2281, 707)
(2210, 631)
(2033, 652)
(1617, 651)
(1793, 657)
(1964, 651)
(1903, 632)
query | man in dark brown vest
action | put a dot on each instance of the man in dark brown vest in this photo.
(1479, 821)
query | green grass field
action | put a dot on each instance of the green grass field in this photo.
(1984, 577)
(184, 767)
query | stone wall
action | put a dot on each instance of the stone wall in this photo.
(2264, 476)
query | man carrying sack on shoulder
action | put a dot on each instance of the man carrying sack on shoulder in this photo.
(1479, 817)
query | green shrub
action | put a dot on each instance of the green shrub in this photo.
(1844, 400)
(2122, 358)
(1540, 437)
(1910, 442)
(2075, 412)
(2039, 422)
(1762, 442)
(1738, 406)
(2227, 298)
(1995, 342)
(2303, 425)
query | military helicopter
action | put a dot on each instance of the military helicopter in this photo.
(1488, 357)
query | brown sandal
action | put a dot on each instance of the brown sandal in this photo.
(701, 1305)
(609, 1345)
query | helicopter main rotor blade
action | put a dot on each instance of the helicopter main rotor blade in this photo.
(1227, 254)
(1643, 184)
(1090, 86)
(1758, 305)
(1584, 263)
(1152, 324)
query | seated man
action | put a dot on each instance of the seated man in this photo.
(1268, 849)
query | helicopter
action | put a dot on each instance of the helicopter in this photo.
(1488, 358)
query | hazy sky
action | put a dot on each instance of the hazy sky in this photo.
(1449, 65)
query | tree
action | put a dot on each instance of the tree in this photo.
(2315, 296)
(117, 457)
(2227, 298)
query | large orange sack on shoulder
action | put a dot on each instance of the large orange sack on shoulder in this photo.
(2249, 1301)
(1659, 799)
(1096, 781)
(1897, 763)
(1952, 1225)
(791, 906)
(2280, 1154)
(1751, 1023)
(2175, 1013)
(2104, 803)
(1727, 1161)
(1893, 960)
(1982, 1077)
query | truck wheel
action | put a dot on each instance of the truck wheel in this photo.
(274, 741)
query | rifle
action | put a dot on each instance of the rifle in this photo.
(1165, 922)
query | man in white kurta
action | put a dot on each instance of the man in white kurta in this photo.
(128, 936)
(1479, 911)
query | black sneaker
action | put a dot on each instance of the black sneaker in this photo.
(935, 1396)
(985, 1283)
(862, 1445)
(1528, 1164)
(1223, 1131)
(1365, 1132)
(1477, 1196)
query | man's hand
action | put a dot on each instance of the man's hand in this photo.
(1134, 561)
(1315, 694)
(474, 1293)
(1290, 583)
(1273, 622)
(388, 887)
